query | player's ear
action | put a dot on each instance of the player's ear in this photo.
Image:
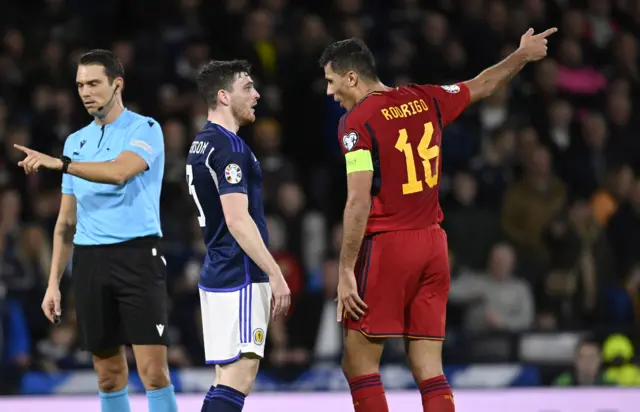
(352, 78)
(223, 97)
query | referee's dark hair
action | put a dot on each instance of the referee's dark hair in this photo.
(350, 55)
(219, 75)
(112, 65)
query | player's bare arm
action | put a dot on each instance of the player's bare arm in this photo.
(118, 171)
(244, 230)
(62, 247)
(356, 213)
(532, 48)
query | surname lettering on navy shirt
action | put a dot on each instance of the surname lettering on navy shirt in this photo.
(198, 147)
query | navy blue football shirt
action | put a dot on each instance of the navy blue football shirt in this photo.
(219, 163)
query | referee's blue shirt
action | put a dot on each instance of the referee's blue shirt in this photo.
(108, 213)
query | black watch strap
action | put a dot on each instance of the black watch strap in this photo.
(66, 160)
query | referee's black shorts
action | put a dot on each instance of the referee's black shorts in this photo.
(121, 294)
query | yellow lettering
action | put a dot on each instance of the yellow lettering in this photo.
(405, 110)
(427, 154)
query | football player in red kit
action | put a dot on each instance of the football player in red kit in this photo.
(394, 268)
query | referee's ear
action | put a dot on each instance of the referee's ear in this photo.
(119, 84)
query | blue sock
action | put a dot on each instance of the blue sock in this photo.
(162, 400)
(115, 401)
(207, 399)
(226, 399)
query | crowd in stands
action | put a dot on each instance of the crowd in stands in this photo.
(540, 183)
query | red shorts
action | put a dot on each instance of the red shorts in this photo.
(403, 277)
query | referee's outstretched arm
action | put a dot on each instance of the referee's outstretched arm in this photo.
(62, 248)
(127, 165)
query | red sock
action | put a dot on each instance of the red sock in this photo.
(367, 393)
(436, 395)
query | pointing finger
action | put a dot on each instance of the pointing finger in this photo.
(22, 148)
(547, 33)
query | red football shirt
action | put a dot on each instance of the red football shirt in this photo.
(402, 129)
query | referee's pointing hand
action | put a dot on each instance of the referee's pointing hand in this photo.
(35, 160)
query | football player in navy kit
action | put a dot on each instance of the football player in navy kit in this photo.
(241, 285)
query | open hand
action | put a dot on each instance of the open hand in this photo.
(280, 296)
(349, 300)
(51, 303)
(35, 160)
(534, 46)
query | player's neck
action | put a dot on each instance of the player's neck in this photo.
(225, 120)
(367, 88)
(112, 115)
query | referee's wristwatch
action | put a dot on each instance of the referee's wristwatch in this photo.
(66, 160)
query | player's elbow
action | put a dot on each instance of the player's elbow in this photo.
(118, 175)
(359, 203)
(236, 223)
(127, 166)
(359, 197)
(119, 179)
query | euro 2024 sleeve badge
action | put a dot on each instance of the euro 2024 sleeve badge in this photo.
(233, 173)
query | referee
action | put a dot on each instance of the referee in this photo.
(112, 176)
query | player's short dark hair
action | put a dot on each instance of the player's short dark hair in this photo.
(112, 65)
(351, 54)
(219, 75)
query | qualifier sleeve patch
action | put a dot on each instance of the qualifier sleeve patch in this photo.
(359, 161)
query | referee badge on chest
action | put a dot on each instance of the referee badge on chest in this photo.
(233, 173)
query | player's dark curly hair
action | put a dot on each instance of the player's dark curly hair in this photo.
(351, 54)
(219, 75)
(112, 65)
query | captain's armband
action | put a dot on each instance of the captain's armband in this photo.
(359, 161)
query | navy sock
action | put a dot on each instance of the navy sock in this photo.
(207, 399)
(226, 399)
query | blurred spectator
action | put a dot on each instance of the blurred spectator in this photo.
(615, 189)
(15, 344)
(531, 203)
(471, 228)
(578, 252)
(495, 300)
(587, 364)
(624, 231)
